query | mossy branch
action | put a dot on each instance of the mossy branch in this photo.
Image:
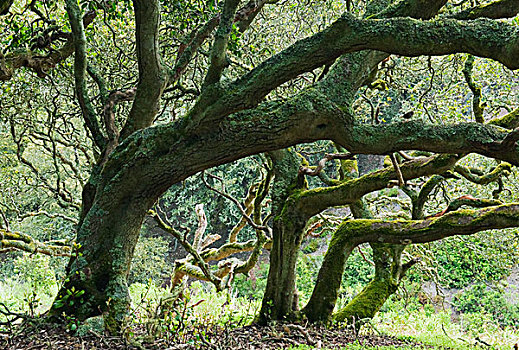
(477, 107)
(152, 74)
(477, 177)
(419, 199)
(468, 201)
(508, 121)
(80, 68)
(461, 138)
(314, 201)
(460, 222)
(218, 58)
(22, 242)
(496, 10)
(352, 233)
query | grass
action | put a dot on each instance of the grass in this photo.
(438, 330)
(22, 297)
(205, 308)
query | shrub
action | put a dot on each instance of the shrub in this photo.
(482, 299)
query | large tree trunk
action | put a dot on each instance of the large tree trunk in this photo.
(97, 274)
(278, 301)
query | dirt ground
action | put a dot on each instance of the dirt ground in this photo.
(31, 336)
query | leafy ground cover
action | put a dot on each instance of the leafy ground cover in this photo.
(209, 320)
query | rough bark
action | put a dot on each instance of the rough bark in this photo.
(287, 234)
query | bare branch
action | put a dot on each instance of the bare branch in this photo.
(477, 107)
(396, 166)
(202, 225)
(206, 269)
(238, 205)
(49, 215)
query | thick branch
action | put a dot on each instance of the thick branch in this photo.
(314, 201)
(497, 9)
(188, 50)
(508, 121)
(414, 134)
(152, 75)
(403, 36)
(307, 117)
(461, 222)
(80, 67)
(219, 50)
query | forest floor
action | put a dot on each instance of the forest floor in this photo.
(44, 336)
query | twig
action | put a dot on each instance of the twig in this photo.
(401, 181)
(311, 341)
(237, 203)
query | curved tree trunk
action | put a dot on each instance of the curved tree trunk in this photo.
(326, 290)
(389, 271)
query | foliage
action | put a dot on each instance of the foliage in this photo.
(252, 286)
(150, 262)
(36, 272)
(197, 311)
(180, 200)
(438, 330)
(483, 299)
(31, 285)
(457, 262)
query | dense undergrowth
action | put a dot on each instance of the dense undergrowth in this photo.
(480, 315)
